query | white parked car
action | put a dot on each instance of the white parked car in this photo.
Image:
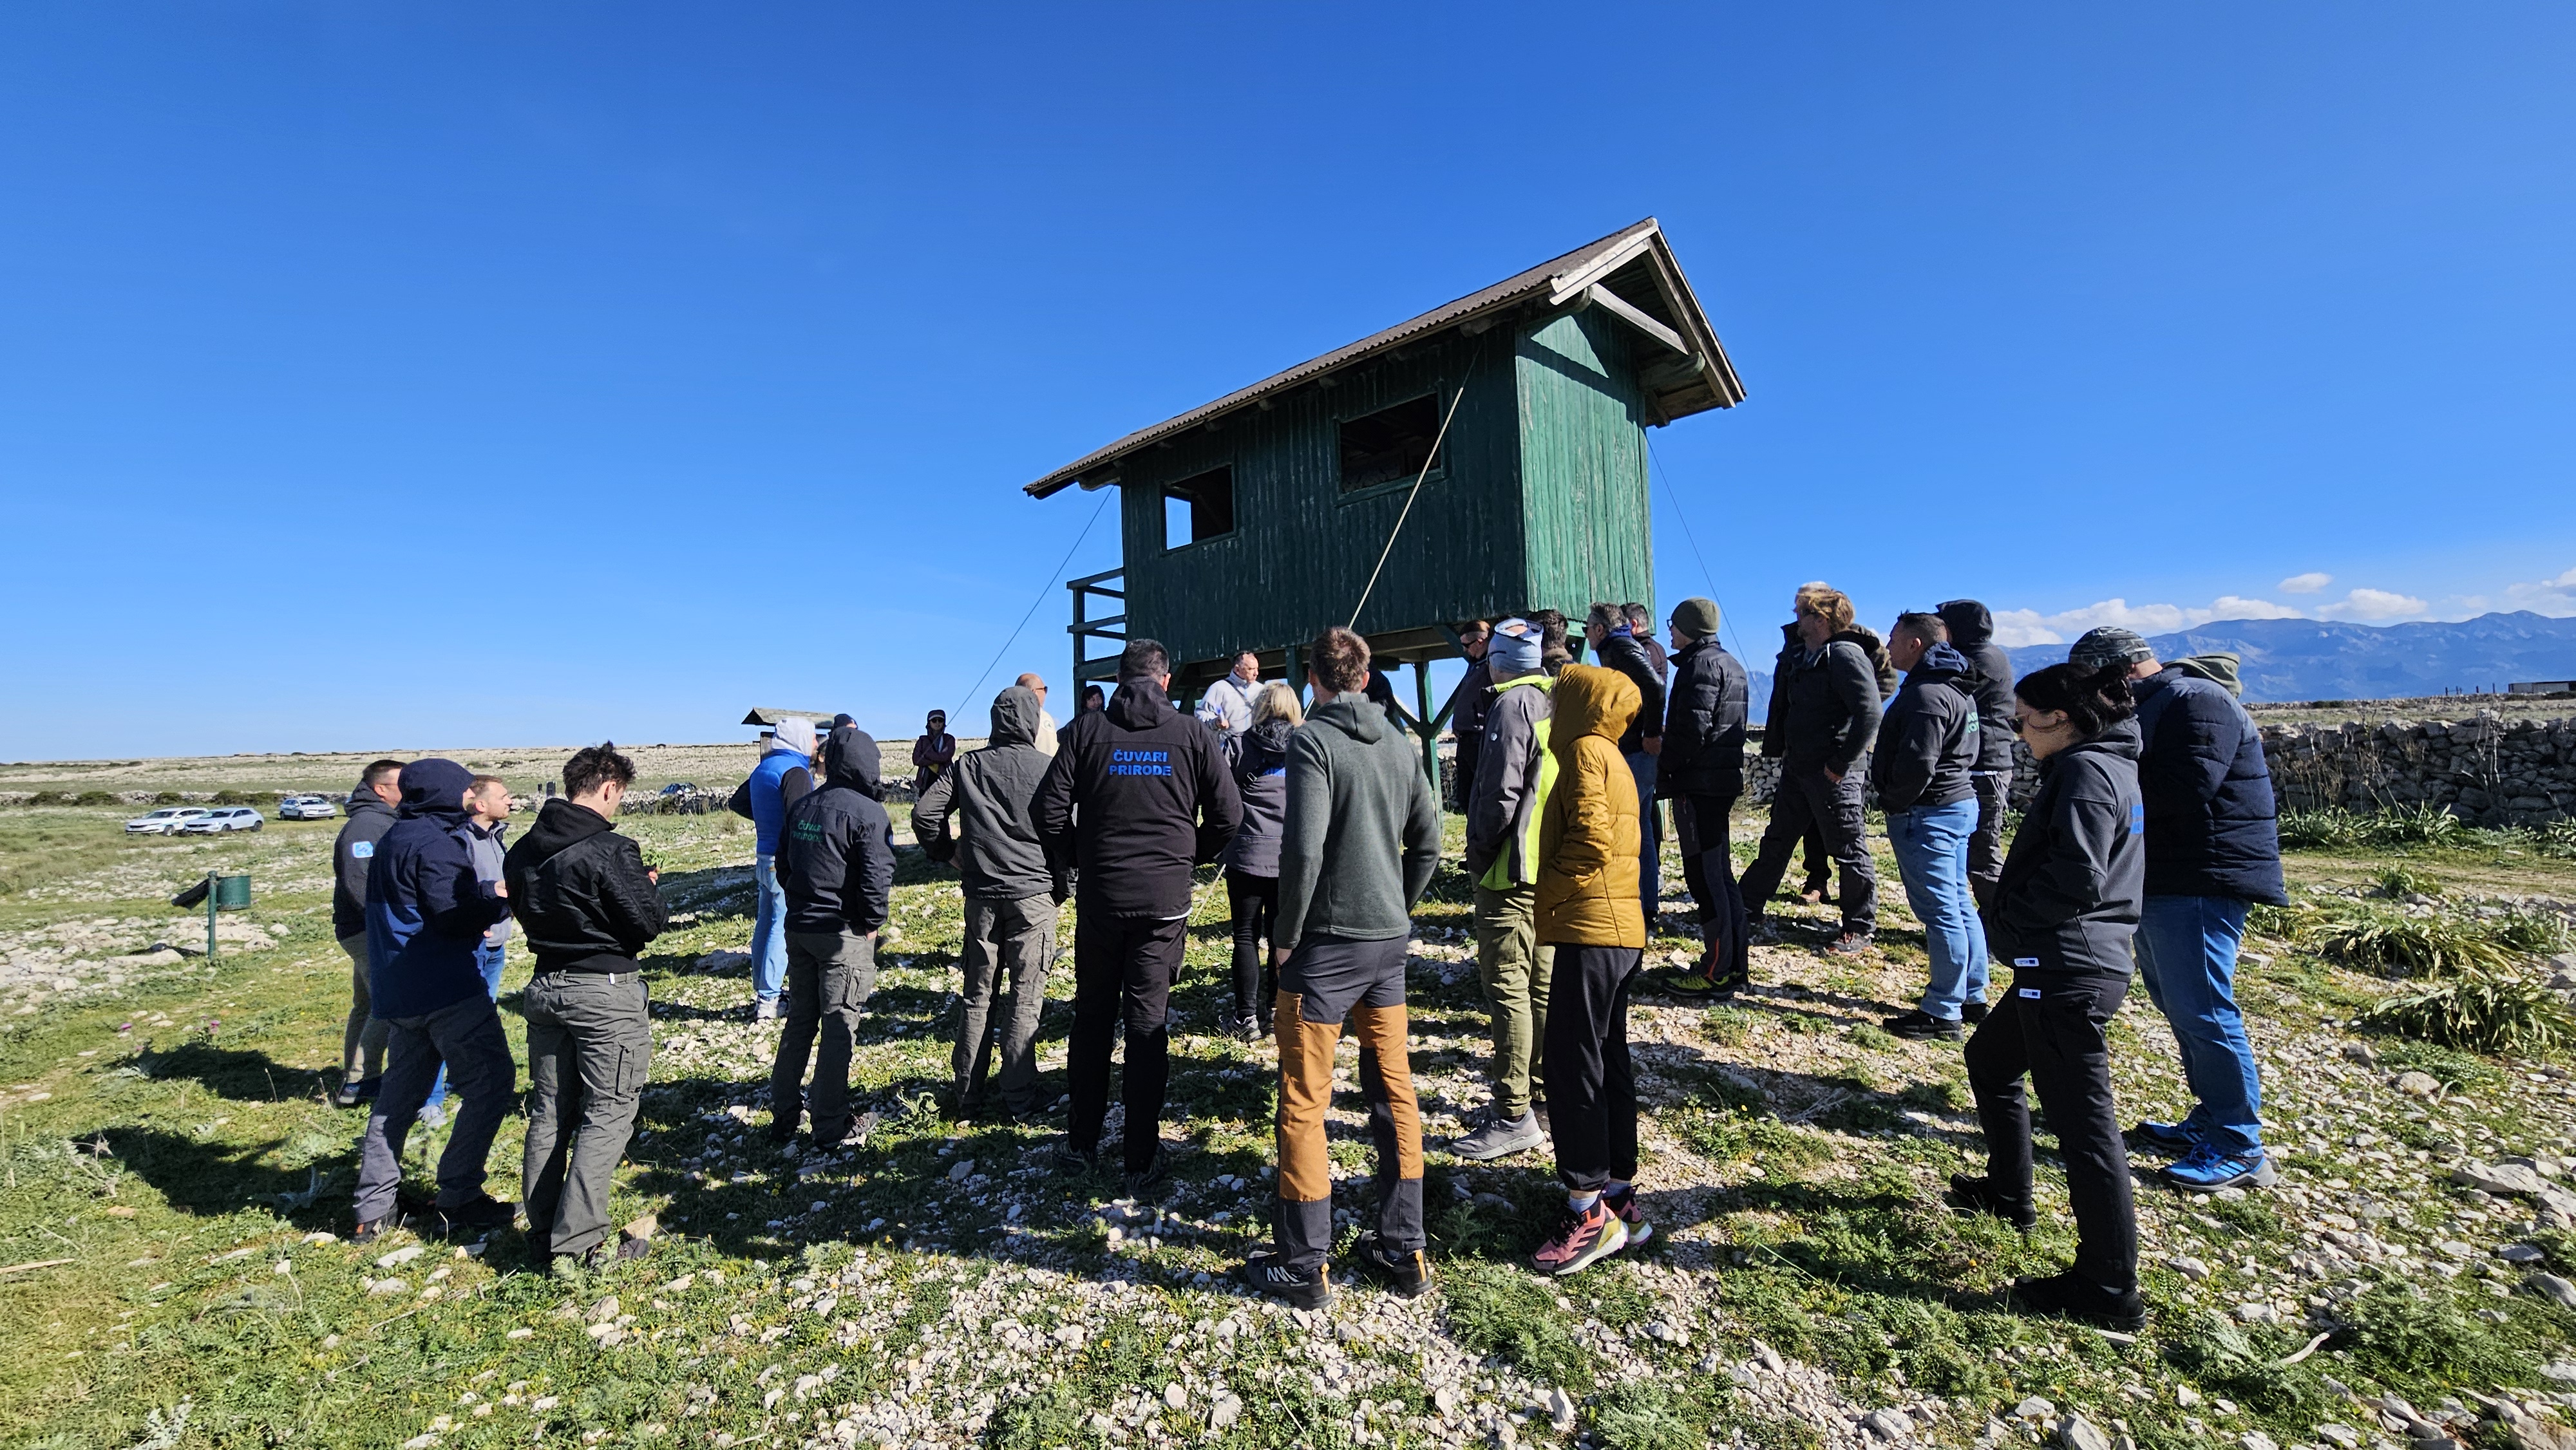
(163, 822)
(307, 808)
(221, 819)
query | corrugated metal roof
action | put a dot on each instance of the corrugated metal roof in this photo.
(1639, 252)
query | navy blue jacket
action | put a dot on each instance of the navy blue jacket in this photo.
(1930, 737)
(2213, 827)
(426, 913)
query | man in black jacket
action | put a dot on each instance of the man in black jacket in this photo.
(1927, 743)
(371, 814)
(1011, 896)
(1136, 796)
(1701, 771)
(1824, 713)
(1615, 644)
(589, 906)
(2213, 849)
(836, 861)
(1972, 634)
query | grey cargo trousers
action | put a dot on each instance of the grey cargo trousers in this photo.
(1013, 940)
(829, 977)
(467, 1037)
(590, 1045)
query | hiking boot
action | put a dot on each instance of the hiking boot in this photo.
(2211, 1168)
(2065, 1296)
(1921, 1026)
(782, 1131)
(1975, 1193)
(1067, 1158)
(1500, 1137)
(483, 1214)
(1583, 1237)
(1155, 1175)
(765, 1010)
(1972, 1012)
(1760, 932)
(2176, 1139)
(1624, 1204)
(1248, 1028)
(1266, 1271)
(1408, 1274)
(1816, 893)
(367, 1233)
(1850, 944)
(609, 1255)
(350, 1094)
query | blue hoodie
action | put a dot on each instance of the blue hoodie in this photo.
(781, 779)
(426, 912)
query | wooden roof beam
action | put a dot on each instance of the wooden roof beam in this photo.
(1619, 307)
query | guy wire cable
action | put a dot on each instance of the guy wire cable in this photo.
(1726, 616)
(959, 712)
(1416, 490)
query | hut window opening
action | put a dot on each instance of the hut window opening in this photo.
(1390, 445)
(1199, 507)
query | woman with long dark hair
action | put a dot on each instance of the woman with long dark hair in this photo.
(2062, 917)
(1258, 758)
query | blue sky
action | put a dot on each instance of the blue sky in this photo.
(436, 376)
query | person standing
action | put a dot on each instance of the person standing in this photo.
(1514, 774)
(932, 753)
(1468, 704)
(1928, 742)
(1972, 634)
(1589, 910)
(1701, 771)
(1035, 684)
(2213, 850)
(1137, 795)
(1615, 645)
(1093, 701)
(1641, 628)
(836, 857)
(982, 817)
(425, 917)
(2063, 915)
(590, 906)
(1363, 839)
(1258, 759)
(370, 814)
(487, 814)
(1226, 708)
(783, 776)
(1824, 714)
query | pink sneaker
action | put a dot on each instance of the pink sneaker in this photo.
(1583, 1238)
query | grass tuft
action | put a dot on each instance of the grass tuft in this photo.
(2435, 945)
(2484, 1011)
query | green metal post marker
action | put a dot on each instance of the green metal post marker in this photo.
(224, 893)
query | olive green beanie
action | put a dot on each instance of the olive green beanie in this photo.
(1696, 617)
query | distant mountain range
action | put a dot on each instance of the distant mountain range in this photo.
(2309, 659)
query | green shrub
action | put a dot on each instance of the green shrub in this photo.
(96, 798)
(2484, 1011)
(165, 798)
(2232, 1361)
(2406, 946)
(2325, 830)
(2397, 883)
(2400, 1333)
(1500, 1309)
(2415, 825)
(2537, 933)
(50, 798)
(1644, 1415)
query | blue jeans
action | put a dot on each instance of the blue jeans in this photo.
(1650, 860)
(768, 937)
(487, 960)
(2186, 949)
(1931, 845)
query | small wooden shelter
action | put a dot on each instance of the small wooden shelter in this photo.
(1255, 521)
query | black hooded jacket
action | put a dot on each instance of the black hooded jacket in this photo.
(1258, 759)
(1704, 724)
(1928, 741)
(836, 851)
(1623, 653)
(1972, 633)
(581, 893)
(351, 854)
(1138, 794)
(2068, 899)
(1824, 703)
(980, 813)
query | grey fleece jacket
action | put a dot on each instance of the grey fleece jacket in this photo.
(1363, 834)
(1504, 799)
(980, 812)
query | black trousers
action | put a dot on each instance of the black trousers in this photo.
(1986, 847)
(1122, 976)
(2052, 1030)
(1591, 1089)
(1807, 799)
(1255, 901)
(1708, 865)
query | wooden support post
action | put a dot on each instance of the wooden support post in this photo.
(1430, 727)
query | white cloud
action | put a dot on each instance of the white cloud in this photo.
(2544, 596)
(2015, 628)
(2304, 584)
(2373, 606)
(2229, 606)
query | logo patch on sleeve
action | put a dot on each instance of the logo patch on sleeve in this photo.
(2025, 961)
(362, 849)
(2031, 992)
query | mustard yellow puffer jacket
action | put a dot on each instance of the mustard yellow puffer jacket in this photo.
(1590, 832)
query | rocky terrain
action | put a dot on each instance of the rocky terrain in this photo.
(172, 1256)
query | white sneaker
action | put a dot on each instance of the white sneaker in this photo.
(765, 1010)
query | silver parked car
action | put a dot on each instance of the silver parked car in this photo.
(163, 822)
(307, 808)
(222, 819)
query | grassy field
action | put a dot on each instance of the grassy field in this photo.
(171, 1179)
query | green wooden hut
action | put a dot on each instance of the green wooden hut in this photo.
(1255, 521)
